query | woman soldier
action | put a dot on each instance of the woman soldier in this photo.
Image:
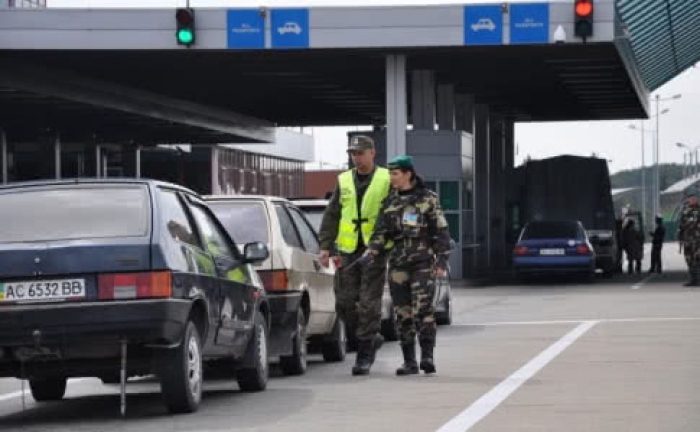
(411, 217)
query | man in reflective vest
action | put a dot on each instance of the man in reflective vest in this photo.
(347, 226)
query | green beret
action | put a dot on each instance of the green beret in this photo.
(401, 162)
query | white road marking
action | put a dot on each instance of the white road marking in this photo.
(490, 401)
(643, 282)
(577, 321)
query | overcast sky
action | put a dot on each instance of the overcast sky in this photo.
(612, 139)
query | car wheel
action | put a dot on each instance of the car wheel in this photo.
(335, 348)
(296, 363)
(48, 389)
(181, 373)
(253, 379)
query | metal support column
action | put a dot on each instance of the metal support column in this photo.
(509, 147)
(423, 104)
(482, 187)
(396, 105)
(215, 185)
(57, 155)
(138, 162)
(3, 154)
(98, 161)
(497, 173)
(446, 107)
(464, 113)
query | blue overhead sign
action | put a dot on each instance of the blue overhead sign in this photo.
(529, 23)
(290, 28)
(483, 25)
(246, 29)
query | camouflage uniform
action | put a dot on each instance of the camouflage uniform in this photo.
(415, 222)
(689, 234)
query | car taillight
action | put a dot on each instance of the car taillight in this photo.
(583, 250)
(521, 250)
(124, 286)
(276, 280)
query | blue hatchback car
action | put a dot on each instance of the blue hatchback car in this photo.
(94, 271)
(548, 247)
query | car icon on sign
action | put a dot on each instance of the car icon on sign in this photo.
(289, 27)
(484, 24)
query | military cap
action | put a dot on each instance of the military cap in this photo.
(692, 191)
(361, 143)
(401, 162)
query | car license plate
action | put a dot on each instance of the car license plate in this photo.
(551, 251)
(45, 290)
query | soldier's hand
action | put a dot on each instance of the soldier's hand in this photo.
(365, 259)
(324, 258)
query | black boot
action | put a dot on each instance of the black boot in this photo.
(363, 359)
(410, 365)
(426, 357)
(377, 343)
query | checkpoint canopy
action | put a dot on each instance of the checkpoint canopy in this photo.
(327, 65)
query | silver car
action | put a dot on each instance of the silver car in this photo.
(300, 290)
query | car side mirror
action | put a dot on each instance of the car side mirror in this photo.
(255, 252)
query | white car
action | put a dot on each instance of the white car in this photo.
(289, 27)
(299, 289)
(484, 24)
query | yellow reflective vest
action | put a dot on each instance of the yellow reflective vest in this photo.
(354, 221)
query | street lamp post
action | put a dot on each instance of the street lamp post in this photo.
(657, 180)
(643, 131)
(644, 181)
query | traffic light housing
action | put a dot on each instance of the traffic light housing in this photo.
(583, 18)
(185, 26)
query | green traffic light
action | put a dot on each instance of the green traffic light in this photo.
(185, 36)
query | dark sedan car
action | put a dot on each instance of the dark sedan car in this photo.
(548, 247)
(89, 268)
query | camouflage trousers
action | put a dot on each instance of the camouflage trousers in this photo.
(358, 295)
(692, 259)
(412, 291)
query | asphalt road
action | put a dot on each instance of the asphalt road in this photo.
(615, 355)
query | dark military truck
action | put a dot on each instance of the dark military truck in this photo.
(567, 188)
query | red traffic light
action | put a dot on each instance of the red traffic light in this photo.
(184, 17)
(584, 8)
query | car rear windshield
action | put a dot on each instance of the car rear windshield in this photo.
(245, 221)
(551, 230)
(74, 213)
(315, 215)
